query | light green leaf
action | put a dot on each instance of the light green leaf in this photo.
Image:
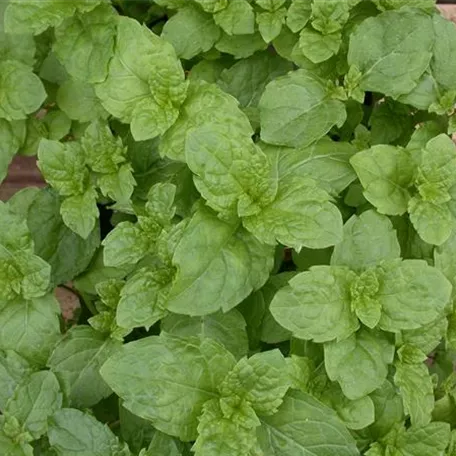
(103, 152)
(270, 23)
(317, 47)
(12, 136)
(247, 79)
(444, 256)
(75, 433)
(417, 391)
(444, 53)
(10, 448)
(316, 304)
(33, 402)
(241, 46)
(126, 244)
(138, 89)
(424, 94)
(13, 370)
(80, 212)
(368, 240)
(300, 216)
(299, 14)
(79, 102)
(163, 445)
(31, 328)
(386, 173)
(63, 166)
(392, 51)
(360, 363)
(84, 44)
(21, 91)
(25, 16)
(191, 32)
(221, 434)
(430, 440)
(229, 329)
(76, 361)
(304, 425)
(261, 380)
(296, 110)
(144, 298)
(232, 173)
(329, 16)
(184, 375)
(237, 18)
(422, 291)
(212, 6)
(222, 246)
(118, 186)
(14, 233)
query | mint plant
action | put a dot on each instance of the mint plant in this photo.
(254, 202)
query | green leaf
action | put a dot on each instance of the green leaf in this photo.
(297, 216)
(58, 124)
(30, 328)
(212, 6)
(386, 173)
(85, 43)
(21, 90)
(270, 23)
(76, 361)
(444, 52)
(191, 32)
(247, 79)
(33, 402)
(185, 371)
(317, 47)
(125, 245)
(433, 222)
(428, 337)
(296, 110)
(298, 14)
(444, 256)
(304, 425)
(75, 433)
(229, 329)
(360, 363)
(241, 46)
(80, 212)
(223, 246)
(78, 101)
(12, 136)
(19, 47)
(261, 380)
(205, 105)
(132, 91)
(270, 5)
(232, 174)
(237, 18)
(25, 16)
(316, 304)
(422, 291)
(392, 51)
(63, 166)
(144, 298)
(163, 445)
(368, 240)
(66, 252)
(13, 370)
(416, 387)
